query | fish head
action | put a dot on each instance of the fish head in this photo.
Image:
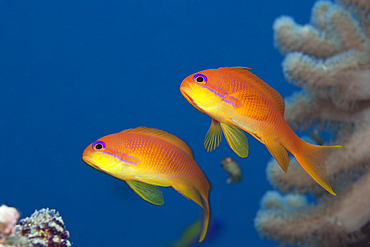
(104, 156)
(203, 90)
(96, 156)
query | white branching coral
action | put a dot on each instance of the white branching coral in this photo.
(330, 59)
(331, 54)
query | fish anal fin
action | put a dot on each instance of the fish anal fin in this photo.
(202, 200)
(236, 139)
(206, 218)
(148, 192)
(267, 90)
(279, 152)
(213, 136)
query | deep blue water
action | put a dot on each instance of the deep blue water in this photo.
(74, 71)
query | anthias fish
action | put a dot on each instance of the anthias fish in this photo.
(237, 100)
(146, 158)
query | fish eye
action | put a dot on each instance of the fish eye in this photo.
(98, 145)
(200, 78)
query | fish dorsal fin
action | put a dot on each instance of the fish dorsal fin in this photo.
(163, 135)
(267, 90)
(148, 192)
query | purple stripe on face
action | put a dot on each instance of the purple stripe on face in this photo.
(229, 102)
(214, 91)
(121, 159)
(236, 100)
(223, 96)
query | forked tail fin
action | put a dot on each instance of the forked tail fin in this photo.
(312, 159)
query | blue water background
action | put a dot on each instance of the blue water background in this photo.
(74, 71)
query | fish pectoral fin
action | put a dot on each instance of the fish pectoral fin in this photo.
(213, 136)
(148, 192)
(237, 139)
(279, 152)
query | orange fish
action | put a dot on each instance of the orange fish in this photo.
(237, 100)
(146, 158)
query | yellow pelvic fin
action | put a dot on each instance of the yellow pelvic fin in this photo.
(312, 159)
(213, 136)
(194, 195)
(279, 152)
(237, 139)
(148, 192)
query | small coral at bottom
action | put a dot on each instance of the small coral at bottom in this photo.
(8, 218)
(45, 228)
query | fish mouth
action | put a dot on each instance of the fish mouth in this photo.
(186, 90)
(188, 98)
(91, 162)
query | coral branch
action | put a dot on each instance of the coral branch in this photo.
(330, 60)
(332, 222)
(359, 5)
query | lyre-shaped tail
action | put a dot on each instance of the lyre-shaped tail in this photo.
(312, 159)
